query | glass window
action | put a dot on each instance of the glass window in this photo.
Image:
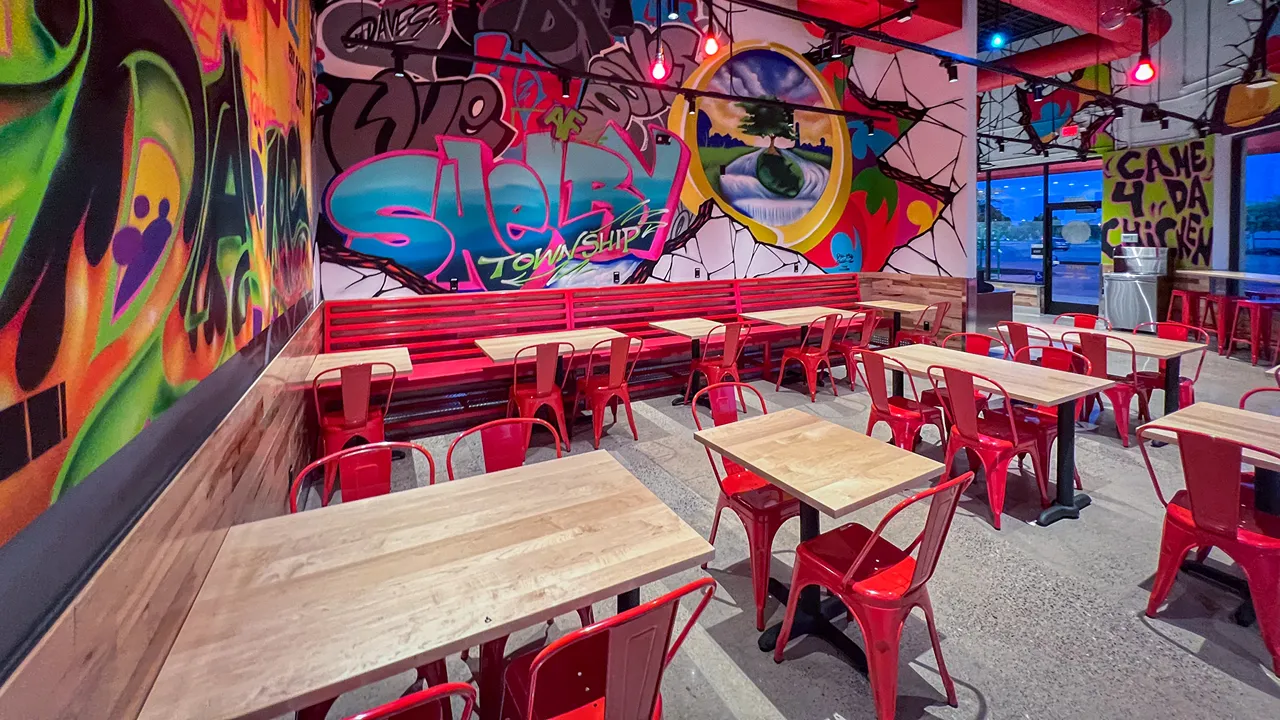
(1260, 246)
(983, 263)
(1076, 186)
(1017, 229)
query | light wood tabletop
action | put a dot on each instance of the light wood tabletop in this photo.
(397, 356)
(1028, 383)
(504, 348)
(696, 328)
(1245, 426)
(795, 317)
(895, 306)
(1233, 275)
(828, 466)
(301, 608)
(1144, 344)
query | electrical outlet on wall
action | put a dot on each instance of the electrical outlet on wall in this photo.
(697, 273)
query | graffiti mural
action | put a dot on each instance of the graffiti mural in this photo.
(1164, 194)
(1253, 101)
(155, 216)
(441, 175)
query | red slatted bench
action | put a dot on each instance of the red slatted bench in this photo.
(453, 383)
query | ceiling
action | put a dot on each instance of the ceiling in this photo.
(1015, 23)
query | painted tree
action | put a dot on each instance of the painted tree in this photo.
(767, 121)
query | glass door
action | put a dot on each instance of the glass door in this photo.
(1072, 257)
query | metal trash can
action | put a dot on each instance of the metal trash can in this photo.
(1137, 290)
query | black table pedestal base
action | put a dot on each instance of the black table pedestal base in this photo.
(1069, 503)
(1244, 616)
(816, 625)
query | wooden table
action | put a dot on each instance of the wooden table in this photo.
(795, 317)
(1170, 351)
(1244, 426)
(397, 356)
(1232, 275)
(696, 329)
(503, 349)
(1028, 383)
(827, 467)
(301, 608)
(897, 308)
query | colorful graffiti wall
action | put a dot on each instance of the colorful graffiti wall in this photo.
(1164, 194)
(476, 176)
(155, 215)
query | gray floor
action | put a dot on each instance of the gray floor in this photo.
(1036, 622)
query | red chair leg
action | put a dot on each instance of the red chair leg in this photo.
(631, 420)
(1263, 572)
(721, 503)
(782, 366)
(947, 683)
(1174, 544)
(317, 711)
(811, 378)
(882, 629)
(1121, 398)
(760, 547)
(831, 376)
(799, 581)
(597, 419)
(1202, 553)
(997, 478)
(586, 616)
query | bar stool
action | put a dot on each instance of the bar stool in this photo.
(1259, 330)
(1189, 307)
(1218, 309)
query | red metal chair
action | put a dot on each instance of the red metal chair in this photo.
(761, 506)
(1084, 321)
(1259, 332)
(1018, 335)
(1188, 304)
(362, 471)
(1044, 418)
(904, 416)
(430, 704)
(995, 438)
(355, 422)
(528, 398)
(612, 669)
(371, 462)
(1095, 346)
(881, 584)
(926, 330)
(504, 443)
(1150, 380)
(1217, 510)
(609, 388)
(864, 325)
(1244, 399)
(725, 365)
(1216, 312)
(812, 357)
(974, 344)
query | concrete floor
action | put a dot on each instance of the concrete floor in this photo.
(1036, 622)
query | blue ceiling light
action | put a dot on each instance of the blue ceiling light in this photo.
(997, 41)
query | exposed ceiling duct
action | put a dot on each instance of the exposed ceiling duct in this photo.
(928, 20)
(1096, 44)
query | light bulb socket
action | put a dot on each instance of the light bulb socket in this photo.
(953, 74)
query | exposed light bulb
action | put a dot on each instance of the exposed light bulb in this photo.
(1144, 72)
(710, 45)
(659, 69)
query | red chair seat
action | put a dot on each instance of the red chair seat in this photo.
(750, 490)
(886, 572)
(906, 407)
(1257, 529)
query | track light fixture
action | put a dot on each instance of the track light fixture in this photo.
(953, 73)
(1117, 111)
(673, 10)
(906, 17)
(564, 86)
(691, 104)
(1202, 129)
(1037, 93)
(398, 59)
(1150, 113)
(837, 46)
(1000, 145)
(1164, 123)
(869, 125)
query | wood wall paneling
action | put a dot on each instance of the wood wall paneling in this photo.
(922, 289)
(100, 657)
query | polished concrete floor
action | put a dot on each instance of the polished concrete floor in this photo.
(1036, 622)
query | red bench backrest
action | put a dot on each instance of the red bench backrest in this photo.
(836, 290)
(630, 308)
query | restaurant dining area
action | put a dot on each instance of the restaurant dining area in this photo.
(635, 359)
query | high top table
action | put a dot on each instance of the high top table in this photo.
(1028, 383)
(301, 608)
(397, 357)
(503, 349)
(797, 317)
(829, 468)
(1169, 351)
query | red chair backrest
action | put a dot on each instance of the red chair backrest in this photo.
(426, 704)
(1178, 331)
(735, 336)
(723, 398)
(1211, 474)
(620, 660)
(872, 371)
(864, 324)
(1055, 358)
(356, 388)
(963, 403)
(828, 323)
(1018, 335)
(1244, 399)
(1083, 320)
(504, 443)
(545, 356)
(372, 460)
(975, 343)
(1096, 346)
(624, 353)
(928, 544)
